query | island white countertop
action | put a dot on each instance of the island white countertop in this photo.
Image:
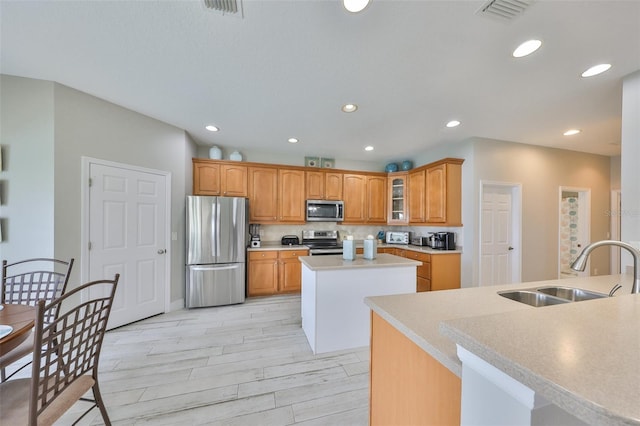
(332, 262)
(582, 356)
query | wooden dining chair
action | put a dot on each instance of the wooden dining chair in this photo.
(67, 367)
(25, 282)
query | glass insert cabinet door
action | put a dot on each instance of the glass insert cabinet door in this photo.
(397, 199)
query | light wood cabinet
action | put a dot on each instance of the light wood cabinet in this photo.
(263, 273)
(274, 272)
(435, 193)
(212, 178)
(290, 280)
(321, 185)
(407, 385)
(397, 199)
(376, 211)
(437, 272)
(364, 198)
(263, 194)
(417, 195)
(276, 195)
(291, 201)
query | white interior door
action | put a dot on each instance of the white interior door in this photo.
(498, 244)
(127, 235)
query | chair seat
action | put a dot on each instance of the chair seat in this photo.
(14, 401)
(23, 349)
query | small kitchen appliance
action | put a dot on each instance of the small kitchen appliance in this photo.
(290, 240)
(325, 211)
(444, 241)
(420, 241)
(254, 230)
(396, 237)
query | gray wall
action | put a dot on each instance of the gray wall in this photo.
(77, 125)
(26, 180)
(541, 171)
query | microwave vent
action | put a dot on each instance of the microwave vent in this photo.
(504, 9)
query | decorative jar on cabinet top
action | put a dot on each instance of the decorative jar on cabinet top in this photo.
(215, 153)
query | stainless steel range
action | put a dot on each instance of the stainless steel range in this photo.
(322, 242)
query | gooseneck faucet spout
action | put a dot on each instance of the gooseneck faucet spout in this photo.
(581, 261)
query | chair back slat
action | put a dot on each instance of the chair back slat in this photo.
(71, 343)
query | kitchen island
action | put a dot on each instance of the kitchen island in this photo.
(334, 316)
(412, 362)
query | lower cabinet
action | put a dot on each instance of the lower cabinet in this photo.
(274, 272)
(438, 271)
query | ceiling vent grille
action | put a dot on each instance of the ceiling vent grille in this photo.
(504, 9)
(233, 7)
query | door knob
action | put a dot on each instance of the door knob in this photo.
(510, 248)
(161, 251)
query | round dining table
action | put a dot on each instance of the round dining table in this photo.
(21, 318)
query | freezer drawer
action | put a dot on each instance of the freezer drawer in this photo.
(215, 285)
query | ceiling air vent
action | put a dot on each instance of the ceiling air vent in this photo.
(504, 9)
(232, 7)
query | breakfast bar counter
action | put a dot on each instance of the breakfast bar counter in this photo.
(488, 326)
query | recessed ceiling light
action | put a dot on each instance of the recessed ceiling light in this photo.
(572, 132)
(212, 128)
(453, 123)
(368, 148)
(526, 48)
(349, 107)
(596, 69)
(292, 140)
(355, 6)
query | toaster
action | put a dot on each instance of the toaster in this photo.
(394, 237)
(420, 241)
(290, 240)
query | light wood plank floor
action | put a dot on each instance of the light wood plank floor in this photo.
(247, 364)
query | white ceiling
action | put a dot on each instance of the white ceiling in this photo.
(285, 68)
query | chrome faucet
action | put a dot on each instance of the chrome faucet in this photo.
(581, 261)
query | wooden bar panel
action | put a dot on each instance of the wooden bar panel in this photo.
(408, 386)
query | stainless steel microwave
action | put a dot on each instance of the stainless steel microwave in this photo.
(325, 211)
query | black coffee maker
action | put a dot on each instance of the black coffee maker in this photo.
(444, 241)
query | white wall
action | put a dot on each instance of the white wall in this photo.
(630, 174)
(26, 179)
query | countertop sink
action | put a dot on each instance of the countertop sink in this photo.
(570, 293)
(532, 297)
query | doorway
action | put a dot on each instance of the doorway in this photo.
(500, 259)
(574, 228)
(126, 212)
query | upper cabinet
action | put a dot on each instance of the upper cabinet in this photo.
(426, 195)
(365, 198)
(210, 178)
(276, 195)
(321, 185)
(397, 199)
(291, 201)
(435, 193)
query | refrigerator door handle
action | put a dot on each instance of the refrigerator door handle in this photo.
(217, 267)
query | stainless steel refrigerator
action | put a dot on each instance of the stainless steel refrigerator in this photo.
(217, 238)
